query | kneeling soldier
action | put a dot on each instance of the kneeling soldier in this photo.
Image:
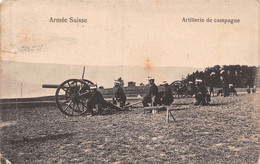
(166, 94)
(201, 93)
(232, 89)
(248, 89)
(254, 89)
(152, 93)
(120, 94)
(97, 98)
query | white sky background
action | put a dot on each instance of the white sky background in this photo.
(131, 33)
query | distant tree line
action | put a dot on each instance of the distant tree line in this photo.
(239, 76)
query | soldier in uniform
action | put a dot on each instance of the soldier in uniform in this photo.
(232, 89)
(152, 94)
(248, 90)
(211, 83)
(97, 98)
(190, 88)
(120, 94)
(225, 82)
(166, 94)
(254, 89)
(201, 93)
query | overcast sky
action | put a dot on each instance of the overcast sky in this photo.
(136, 33)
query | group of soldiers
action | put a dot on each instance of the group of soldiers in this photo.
(164, 97)
(153, 96)
(97, 98)
(228, 88)
(248, 90)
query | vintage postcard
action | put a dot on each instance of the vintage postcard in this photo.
(120, 81)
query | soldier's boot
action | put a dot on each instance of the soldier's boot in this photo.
(91, 111)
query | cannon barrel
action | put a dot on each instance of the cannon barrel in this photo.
(50, 85)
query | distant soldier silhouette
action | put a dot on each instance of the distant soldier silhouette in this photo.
(201, 93)
(120, 94)
(212, 83)
(225, 82)
(152, 94)
(254, 89)
(232, 89)
(190, 88)
(97, 98)
(248, 90)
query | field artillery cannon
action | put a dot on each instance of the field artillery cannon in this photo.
(180, 88)
(71, 96)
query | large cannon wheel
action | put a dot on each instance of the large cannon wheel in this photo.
(72, 95)
(179, 88)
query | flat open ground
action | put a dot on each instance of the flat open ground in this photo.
(227, 131)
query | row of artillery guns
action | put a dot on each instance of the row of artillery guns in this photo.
(71, 96)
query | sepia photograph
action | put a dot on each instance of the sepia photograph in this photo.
(122, 82)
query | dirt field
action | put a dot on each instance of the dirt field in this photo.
(227, 131)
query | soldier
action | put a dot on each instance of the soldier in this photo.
(232, 89)
(190, 88)
(167, 97)
(211, 83)
(254, 89)
(201, 93)
(225, 82)
(152, 94)
(120, 94)
(97, 98)
(248, 90)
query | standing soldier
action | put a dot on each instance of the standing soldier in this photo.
(190, 88)
(201, 93)
(152, 94)
(211, 83)
(225, 82)
(120, 94)
(167, 97)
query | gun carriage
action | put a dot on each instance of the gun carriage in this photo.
(71, 96)
(179, 88)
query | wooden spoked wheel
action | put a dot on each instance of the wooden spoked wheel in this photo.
(72, 95)
(179, 87)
